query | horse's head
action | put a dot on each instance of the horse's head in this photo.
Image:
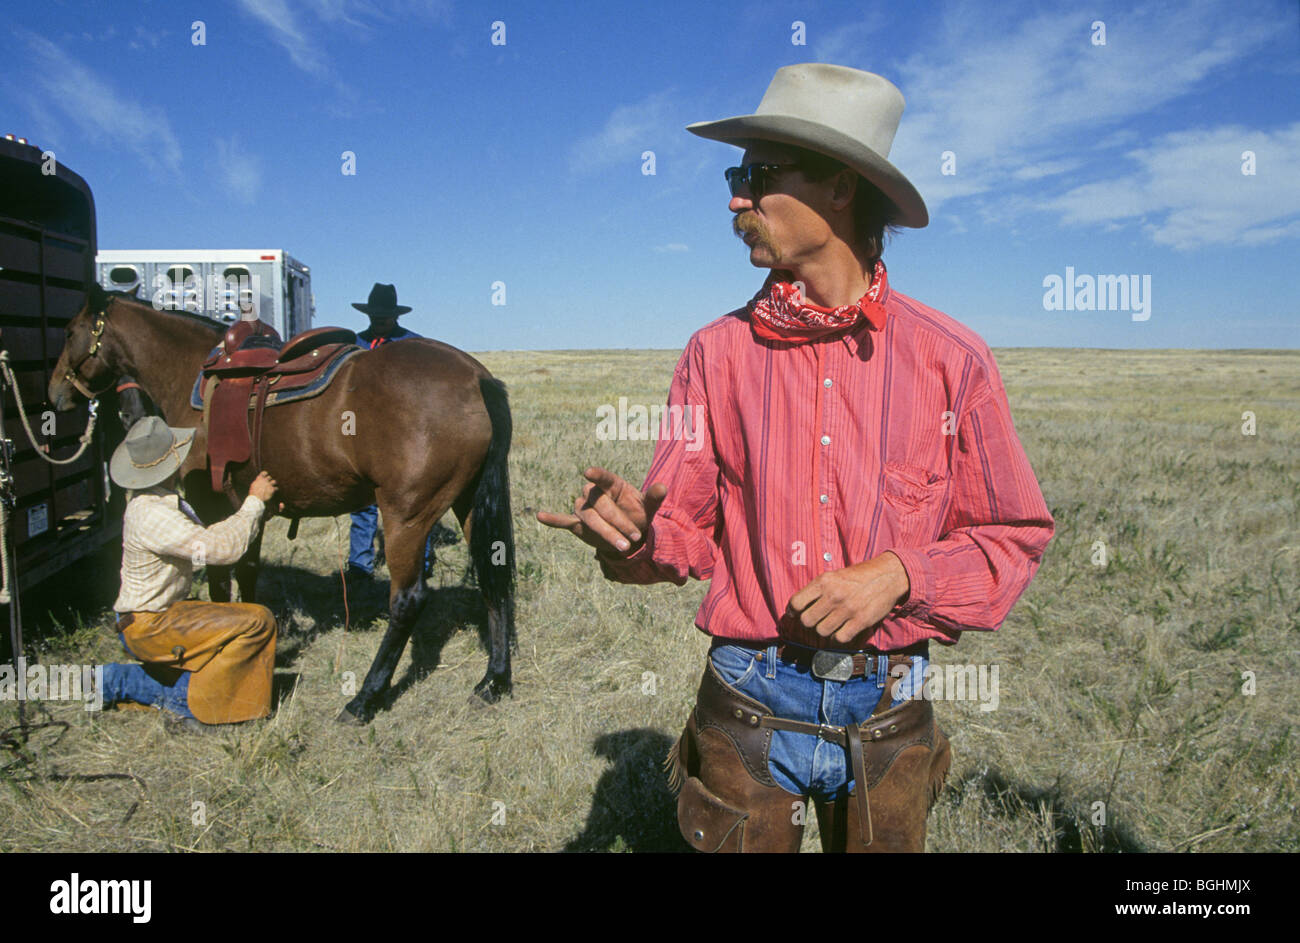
(88, 365)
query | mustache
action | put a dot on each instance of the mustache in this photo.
(748, 222)
(742, 224)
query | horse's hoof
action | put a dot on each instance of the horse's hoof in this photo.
(358, 719)
(491, 689)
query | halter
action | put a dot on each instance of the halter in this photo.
(98, 334)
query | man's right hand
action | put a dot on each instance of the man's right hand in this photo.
(263, 487)
(611, 515)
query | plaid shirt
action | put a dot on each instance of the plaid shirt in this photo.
(161, 547)
(813, 457)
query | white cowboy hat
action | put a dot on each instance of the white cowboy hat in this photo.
(844, 113)
(151, 451)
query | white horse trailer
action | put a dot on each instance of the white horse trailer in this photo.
(216, 283)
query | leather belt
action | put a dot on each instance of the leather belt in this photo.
(829, 664)
(828, 732)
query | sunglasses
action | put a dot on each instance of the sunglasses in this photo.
(754, 177)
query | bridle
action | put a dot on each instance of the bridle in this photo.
(97, 334)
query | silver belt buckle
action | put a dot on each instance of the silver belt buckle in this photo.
(832, 666)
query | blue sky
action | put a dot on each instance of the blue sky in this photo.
(522, 163)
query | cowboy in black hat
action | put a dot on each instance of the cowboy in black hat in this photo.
(383, 311)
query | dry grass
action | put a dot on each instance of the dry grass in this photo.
(1120, 684)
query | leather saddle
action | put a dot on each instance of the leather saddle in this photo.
(251, 369)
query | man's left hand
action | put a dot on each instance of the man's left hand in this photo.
(841, 603)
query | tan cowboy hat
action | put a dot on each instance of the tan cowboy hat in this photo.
(151, 451)
(844, 113)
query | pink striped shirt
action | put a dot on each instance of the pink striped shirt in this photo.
(818, 456)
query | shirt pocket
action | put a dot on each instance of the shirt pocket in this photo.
(913, 496)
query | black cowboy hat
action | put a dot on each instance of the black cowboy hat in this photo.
(382, 303)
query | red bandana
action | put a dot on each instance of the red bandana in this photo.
(779, 313)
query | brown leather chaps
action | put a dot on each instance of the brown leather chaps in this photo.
(730, 802)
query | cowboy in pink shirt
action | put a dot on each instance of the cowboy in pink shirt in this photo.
(857, 491)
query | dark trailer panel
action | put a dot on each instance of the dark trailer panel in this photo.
(47, 259)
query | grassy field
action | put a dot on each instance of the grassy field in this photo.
(1126, 684)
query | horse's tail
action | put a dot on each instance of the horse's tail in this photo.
(492, 536)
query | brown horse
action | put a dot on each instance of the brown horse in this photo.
(416, 427)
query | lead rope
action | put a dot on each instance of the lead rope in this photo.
(22, 414)
(6, 592)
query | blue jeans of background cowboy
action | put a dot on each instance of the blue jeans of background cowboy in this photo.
(804, 764)
(361, 541)
(133, 682)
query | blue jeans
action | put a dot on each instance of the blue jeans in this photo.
(361, 541)
(154, 685)
(803, 764)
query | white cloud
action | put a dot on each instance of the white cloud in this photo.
(673, 247)
(240, 172)
(1047, 168)
(289, 24)
(630, 130)
(1189, 190)
(100, 111)
(854, 44)
(1031, 103)
(356, 12)
(286, 28)
(147, 37)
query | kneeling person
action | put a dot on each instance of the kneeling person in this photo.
(204, 661)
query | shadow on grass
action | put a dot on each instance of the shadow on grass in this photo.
(282, 687)
(320, 599)
(633, 809)
(1069, 825)
(286, 590)
(449, 610)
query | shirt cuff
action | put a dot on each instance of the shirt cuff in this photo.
(919, 577)
(254, 504)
